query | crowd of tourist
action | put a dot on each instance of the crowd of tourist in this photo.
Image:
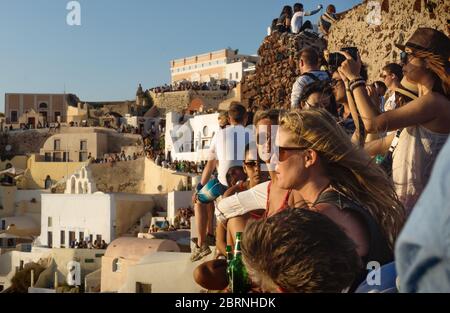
(291, 20)
(87, 244)
(354, 173)
(223, 85)
(115, 157)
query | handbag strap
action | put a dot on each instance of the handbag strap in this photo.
(395, 141)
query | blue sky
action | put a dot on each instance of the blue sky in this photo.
(121, 43)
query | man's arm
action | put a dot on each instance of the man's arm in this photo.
(309, 13)
(297, 91)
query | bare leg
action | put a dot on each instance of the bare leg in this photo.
(201, 216)
(221, 238)
(212, 275)
(210, 225)
(236, 225)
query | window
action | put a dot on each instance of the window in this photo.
(63, 238)
(89, 261)
(205, 131)
(83, 151)
(71, 236)
(99, 255)
(237, 75)
(81, 236)
(99, 238)
(3, 224)
(205, 144)
(13, 116)
(57, 145)
(50, 239)
(49, 221)
(143, 288)
(57, 116)
(83, 145)
(48, 157)
(83, 156)
(43, 105)
(66, 157)
(57, 157)
(231, 76)
(116, 266)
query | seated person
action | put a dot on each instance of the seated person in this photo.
(210, 274)
(300, 251)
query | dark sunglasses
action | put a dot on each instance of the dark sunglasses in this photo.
(405, 57)
(252, 164)
(334, 82)
(283, 152)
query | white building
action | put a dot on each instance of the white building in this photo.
(80, 214)
(215, 65)
(191, 140)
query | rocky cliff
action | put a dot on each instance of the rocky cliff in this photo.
(374, 29)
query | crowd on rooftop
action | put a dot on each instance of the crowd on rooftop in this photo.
(224, 85)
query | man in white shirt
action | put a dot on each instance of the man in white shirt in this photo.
(310, 73)
(227, 151)
(297, 18)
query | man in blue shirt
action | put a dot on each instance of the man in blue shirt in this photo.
(423, 248)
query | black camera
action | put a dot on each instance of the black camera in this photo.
(336, 59)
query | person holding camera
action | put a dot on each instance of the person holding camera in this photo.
(426, 120)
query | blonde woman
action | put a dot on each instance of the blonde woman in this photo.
(317, 160)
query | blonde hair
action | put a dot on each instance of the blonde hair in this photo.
(438, 66)
(349, 168)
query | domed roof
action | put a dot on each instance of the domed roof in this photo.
(132, 248)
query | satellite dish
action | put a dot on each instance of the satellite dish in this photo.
(8, 148)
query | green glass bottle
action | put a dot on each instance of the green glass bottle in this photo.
(229, 259)
(239, 280)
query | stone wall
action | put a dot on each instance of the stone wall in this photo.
(127, 177)
(24, 142)
(399, 20)
(180, 100)
(117, 142)
(271, 85)
(159, 180)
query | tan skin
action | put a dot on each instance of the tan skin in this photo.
(204, 212)
(277, 195)
(303, 172)
(431, 110)
(255, 177)
(343, 96)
